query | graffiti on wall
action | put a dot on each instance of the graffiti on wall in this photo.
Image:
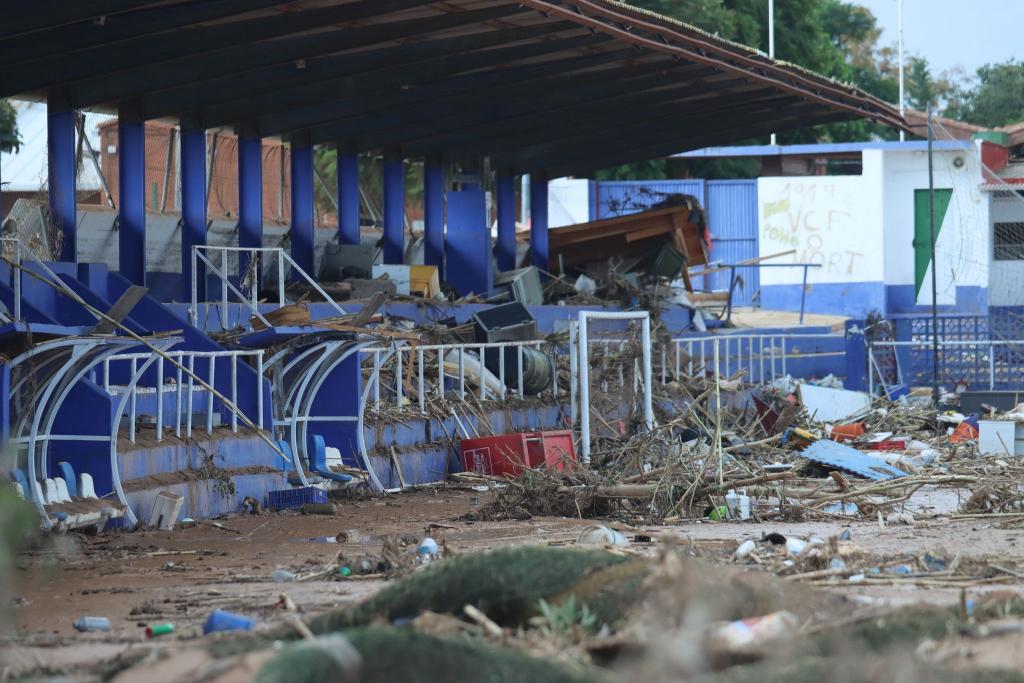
(820, 221)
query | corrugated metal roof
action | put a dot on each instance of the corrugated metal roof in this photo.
(25, 170)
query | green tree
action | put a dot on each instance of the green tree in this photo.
(996, 99)
(10, 140)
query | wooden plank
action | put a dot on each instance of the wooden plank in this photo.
(120, 310)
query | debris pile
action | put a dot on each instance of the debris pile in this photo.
(551, 614)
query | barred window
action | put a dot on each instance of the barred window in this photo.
(1009, 242)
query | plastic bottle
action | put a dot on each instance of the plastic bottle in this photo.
(219, 620)
(283, 576)
(794, 546)
(92, 624)
(428, 546)
(745, 549)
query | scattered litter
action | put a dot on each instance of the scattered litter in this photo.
(220, 620)
(92, 624)
(849, 459)
(601, 535)
(154, 630)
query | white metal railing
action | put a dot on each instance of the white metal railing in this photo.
(970, 357)
(21, 250)
(454, 361)
(761, 357)
(183, 384)
(282, 262)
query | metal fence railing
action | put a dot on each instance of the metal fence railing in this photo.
(761, 358)
(282, 264)
(990, 363)
(431, 368)
(200, 364)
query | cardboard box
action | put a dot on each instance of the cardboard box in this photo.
(424, 281)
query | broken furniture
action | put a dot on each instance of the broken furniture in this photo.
(645, 235)
(526, 369)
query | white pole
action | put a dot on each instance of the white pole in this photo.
(524, 199)
(771, 40)
(899, 5)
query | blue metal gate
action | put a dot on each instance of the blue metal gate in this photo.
(623, 197)
(732, 216)
(731, 209)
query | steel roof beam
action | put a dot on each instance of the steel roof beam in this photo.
(569, 107)
(671, 142)
(207, 41)
(284, 53)
(627, 135)
(117, 27)
(26, 17)
(270, 88)
(406, 109)
(333, 92)
(673, 106)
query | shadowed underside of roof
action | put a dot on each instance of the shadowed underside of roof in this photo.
(562, 86)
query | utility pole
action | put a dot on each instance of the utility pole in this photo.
(899, 11)
(771, 40)
(935, 288)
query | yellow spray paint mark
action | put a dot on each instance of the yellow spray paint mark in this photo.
(773, 208)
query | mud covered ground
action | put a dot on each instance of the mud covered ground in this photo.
(147, 577)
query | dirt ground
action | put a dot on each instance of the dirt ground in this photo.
(147, 577)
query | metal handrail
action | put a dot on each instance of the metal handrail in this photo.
(282, 260)
(442, 350)
(755, 359)
(186, 358)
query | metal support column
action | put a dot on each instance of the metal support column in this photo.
(250, 198)
(539, 221)
(60, 130)
(131, 182)
(193, 210)
(394, 210)
(506, 222)
(433, 213)
(302, 205)
(348, 198)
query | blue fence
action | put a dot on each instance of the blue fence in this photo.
(975, 351)
(731, 210)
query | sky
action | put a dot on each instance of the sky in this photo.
(950, 33)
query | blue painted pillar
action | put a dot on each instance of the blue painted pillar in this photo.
(60, 139)
(302, 204)
(394, 210)
(433, 213)
(856, 357)
(193, 209)
(250, 197)
(506, 222)
(539, 221)
(131, 183)
(348, 198)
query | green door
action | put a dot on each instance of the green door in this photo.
(922, 231)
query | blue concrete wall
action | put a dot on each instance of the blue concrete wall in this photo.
(855, 299)
(173, 455)
(203, 500)
(970, 300)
